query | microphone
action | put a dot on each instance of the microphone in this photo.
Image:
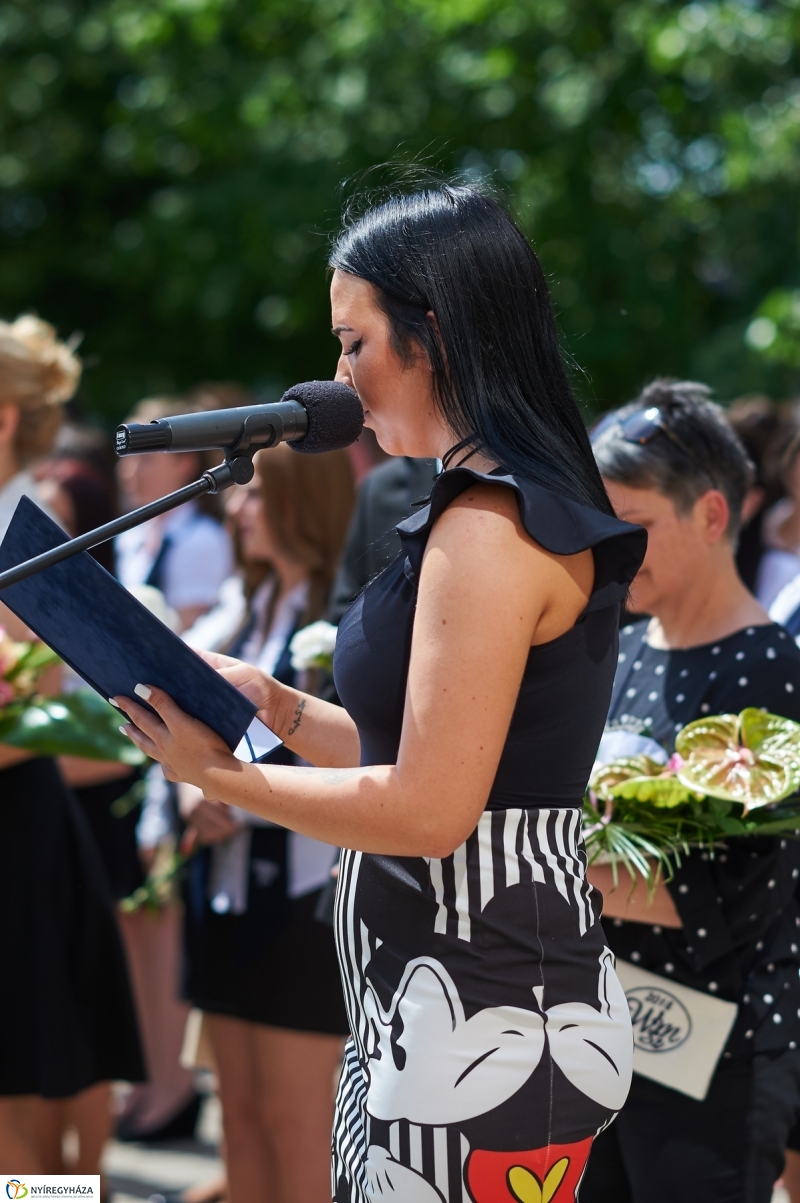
(321, 415)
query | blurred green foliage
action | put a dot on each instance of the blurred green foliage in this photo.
(169, 173)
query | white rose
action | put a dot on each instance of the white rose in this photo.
(313, 646)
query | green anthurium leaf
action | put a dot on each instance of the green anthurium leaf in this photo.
(752, 758)
(663, 790)
(717, 731)
(77, 724)
(606, 778)
(641, 779)
(771, 736)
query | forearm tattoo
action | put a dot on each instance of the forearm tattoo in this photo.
(298, 716)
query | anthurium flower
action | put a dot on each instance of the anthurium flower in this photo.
(640, 779)
(752, 758)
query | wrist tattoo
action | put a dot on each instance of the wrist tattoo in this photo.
(298, 716)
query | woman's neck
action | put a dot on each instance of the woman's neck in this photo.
(470, 459)
(713, 605)
(288, 575)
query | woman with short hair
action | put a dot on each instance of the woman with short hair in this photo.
(725, 925)
(490, 1036)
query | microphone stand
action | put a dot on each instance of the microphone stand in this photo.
(237, 469)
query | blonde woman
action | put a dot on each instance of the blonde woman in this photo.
(67, 1024)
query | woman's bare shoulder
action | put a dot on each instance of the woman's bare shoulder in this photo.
(484, 542)
(479, 547)
(483, 506)
(491, 511)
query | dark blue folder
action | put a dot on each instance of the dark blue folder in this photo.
(110, 638)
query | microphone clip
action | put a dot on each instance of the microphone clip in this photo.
(235, 469)
(259, 432)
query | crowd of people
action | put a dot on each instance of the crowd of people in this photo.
(243, 956)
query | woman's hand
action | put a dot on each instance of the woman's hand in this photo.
(209, 820)
(323, 734)
(259, 688)
(185, 748)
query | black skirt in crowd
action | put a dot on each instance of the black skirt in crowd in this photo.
(275, 964)
(67, 1018)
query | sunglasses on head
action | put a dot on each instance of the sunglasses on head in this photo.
(642, 427)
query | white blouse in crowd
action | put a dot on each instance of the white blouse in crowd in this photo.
(779, 564)
(309, 861)
(199, 557)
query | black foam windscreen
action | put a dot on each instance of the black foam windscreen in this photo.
(335, 416)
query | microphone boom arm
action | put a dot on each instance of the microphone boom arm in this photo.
(236, 470)
(321, 415)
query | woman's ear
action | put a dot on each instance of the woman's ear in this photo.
(715, 515)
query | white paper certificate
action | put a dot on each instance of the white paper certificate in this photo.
(678, 1033)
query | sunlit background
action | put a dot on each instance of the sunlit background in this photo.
(170, 171)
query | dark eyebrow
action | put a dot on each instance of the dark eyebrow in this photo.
(337, 330)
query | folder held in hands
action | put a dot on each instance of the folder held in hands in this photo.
(113, 642)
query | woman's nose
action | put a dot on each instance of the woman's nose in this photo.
(343, 372)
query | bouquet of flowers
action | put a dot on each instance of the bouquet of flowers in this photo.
(74, 724)
(731, 775)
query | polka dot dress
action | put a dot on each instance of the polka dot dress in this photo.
(659, 692)
(741, 918)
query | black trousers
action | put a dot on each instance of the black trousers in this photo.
(729, 1148)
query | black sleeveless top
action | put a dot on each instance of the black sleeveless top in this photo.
(566, 688)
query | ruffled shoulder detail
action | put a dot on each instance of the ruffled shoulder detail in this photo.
(559, 524)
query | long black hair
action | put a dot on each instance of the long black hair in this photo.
(499, 378)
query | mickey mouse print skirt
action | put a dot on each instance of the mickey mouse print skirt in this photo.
(491, 1038)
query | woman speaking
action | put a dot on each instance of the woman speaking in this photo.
(490, 1036)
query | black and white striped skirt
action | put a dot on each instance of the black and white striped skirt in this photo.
(491, 1039)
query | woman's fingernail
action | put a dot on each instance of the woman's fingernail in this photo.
(124, 731)
(116, 705)
(143, 691)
